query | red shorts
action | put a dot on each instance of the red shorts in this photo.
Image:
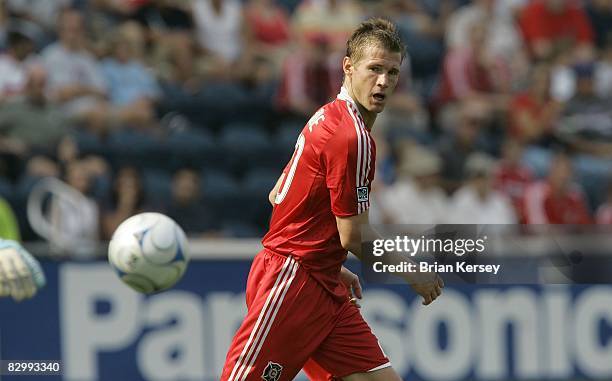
(293, 323)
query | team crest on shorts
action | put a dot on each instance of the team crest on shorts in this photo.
(362, 194)
(272, 372)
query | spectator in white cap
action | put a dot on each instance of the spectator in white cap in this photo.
(477, 202)
(415, 197)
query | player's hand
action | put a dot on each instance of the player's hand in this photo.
(351, 281)
(20, 274)
(428, 289)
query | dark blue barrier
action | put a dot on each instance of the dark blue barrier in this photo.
(102, 330)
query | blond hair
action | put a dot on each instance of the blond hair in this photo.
(374, 32)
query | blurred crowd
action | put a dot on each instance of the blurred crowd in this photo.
(503, 113)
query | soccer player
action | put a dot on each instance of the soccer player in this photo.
(20, 274)
(300, 312)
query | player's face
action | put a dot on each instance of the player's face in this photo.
(374, 77)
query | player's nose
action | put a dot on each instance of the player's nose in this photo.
(382, 81)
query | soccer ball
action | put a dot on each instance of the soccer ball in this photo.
(149, 252)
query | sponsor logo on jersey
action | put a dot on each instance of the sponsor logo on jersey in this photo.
(272, 372)
(362, 194)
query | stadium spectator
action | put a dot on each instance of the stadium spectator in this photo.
(29, 124)
(12, 63)
(43, 13)
(533, 112)
(415, 197)
(587, 122)
(471, 72)
(267, 30)
(187, 206)
(267, 24)
(465, 139)
(127, 199)
(604, 211)
(131, 85)
(585, 90)
(504, 37)
(310, 77)
(332, 20)
(551, 27)
(477, 202)
(511, 177)
(9, 228)
(603, 72)
(219, 28)
(169, 27)
(75, 81)
(556, 199)
(179, 65)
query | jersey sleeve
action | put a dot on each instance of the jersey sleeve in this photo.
(348, 161)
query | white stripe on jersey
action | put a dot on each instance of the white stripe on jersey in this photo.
(358, 169)
(363, 154)
(369, 159)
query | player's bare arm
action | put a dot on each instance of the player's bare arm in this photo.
(274, 190)
(428, 286)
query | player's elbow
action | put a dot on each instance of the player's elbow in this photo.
(349, 229)
(272, 196)
(351, 243)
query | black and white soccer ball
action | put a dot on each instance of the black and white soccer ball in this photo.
(149, 252)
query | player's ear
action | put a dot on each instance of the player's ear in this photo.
(347, 66)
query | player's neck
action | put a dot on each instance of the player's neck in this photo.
(369, 117)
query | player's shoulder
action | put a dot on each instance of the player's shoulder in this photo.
(334, 119)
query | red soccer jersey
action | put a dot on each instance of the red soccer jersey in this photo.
(329, 175)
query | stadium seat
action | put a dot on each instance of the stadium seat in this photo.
(285, 140)
(134, 148)
(157, 186)
(257, 184)
(246, 146)
(224, 194)
(89, 143)
(193, 148)
(218, 182)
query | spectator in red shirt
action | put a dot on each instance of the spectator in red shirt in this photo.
(471, 72)
(557, 200)
(511, 177)
(309, 78)
(267, 31)
(534, 111)
(553, 26)
(267, 23)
